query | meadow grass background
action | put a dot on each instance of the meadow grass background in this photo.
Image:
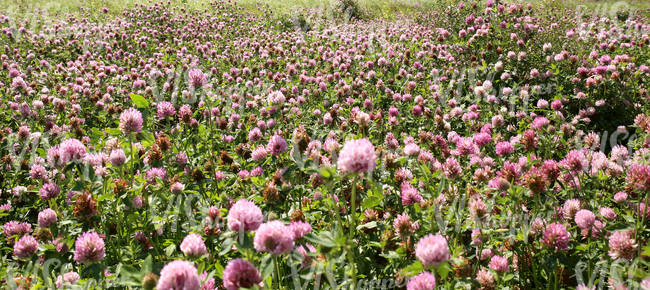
(378, 8)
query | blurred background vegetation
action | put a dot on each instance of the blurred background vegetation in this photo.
(386, 9)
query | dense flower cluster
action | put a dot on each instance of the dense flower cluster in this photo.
(240, 273)
(432, 250)
(89, 248)
(274, 237)
(179, 275)
(357, 156)
(244, 216)
(25, 247)
(193, 246)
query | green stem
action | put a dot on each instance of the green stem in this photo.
(338, 216)
(117, 221)
(205, 196)
(213, 161)
(643, 215)
(588, 251)
(353, 268)
(532, 263)
(336, 209)
(276, 285)
(353, 210)
(557, 279)
(433, 216)
(120, 169)
(480, 249)
(155, 235)
(82, 176)
(132, 162)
